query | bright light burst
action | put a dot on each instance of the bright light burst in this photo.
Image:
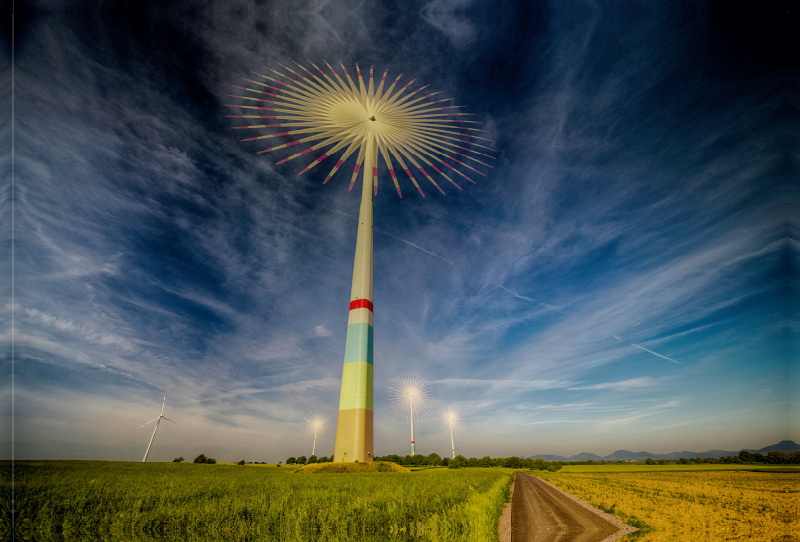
(315, 107)
(410, 391)
(315, 424)
(450, 418)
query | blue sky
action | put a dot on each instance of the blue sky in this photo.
(623, 278)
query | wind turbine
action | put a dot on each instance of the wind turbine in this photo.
(316, 425)
(410, 394)
(451, 419)
(158, 421)
(321, 109)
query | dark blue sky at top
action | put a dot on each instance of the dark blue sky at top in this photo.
(623, 277)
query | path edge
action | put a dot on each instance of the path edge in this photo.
(504, 525)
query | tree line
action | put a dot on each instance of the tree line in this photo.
(744, 458)
(775, 457)
(434, 460)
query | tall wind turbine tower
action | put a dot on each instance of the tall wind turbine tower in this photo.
(158, 421)
(322, 107)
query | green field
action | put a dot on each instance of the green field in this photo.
(95, 500)
(672, 467)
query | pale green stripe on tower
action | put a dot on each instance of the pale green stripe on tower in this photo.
(356, 386)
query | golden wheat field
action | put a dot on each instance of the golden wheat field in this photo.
(753, 506)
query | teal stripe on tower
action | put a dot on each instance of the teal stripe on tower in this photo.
(358, 346)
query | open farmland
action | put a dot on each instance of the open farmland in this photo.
(692, 505)
(90, 500)
(672, 467)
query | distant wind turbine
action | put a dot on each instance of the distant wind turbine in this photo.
(316, 425)
(451, 419)
(158, 421)
(410, 394)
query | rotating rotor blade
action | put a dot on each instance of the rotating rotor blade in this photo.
(151, 421)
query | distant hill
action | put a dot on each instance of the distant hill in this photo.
(784, 446)
(625, 455)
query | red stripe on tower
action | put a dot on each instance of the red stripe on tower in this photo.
(361, 304)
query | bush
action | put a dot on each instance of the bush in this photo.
(649, 461)
(777, 457)
(454, 464)
(178, 460)
(643, 527)
(313, 459)
(301, 460)
(203, 459)
(291, 461)
(240, 462)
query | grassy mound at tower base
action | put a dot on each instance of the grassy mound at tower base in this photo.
(375, 466)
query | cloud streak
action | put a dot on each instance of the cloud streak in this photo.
(654, 353)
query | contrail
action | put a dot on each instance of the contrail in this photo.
(655, 353)
(413, 245)
(526, 298)
(515, 294)
(393, 236)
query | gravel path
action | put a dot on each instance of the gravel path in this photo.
(542, 512)
(624, 528)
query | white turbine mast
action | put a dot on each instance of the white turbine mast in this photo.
(158, 421)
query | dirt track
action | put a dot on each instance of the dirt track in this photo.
(542, 514)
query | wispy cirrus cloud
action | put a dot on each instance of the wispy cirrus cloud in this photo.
(507, 384)
(641, 382)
